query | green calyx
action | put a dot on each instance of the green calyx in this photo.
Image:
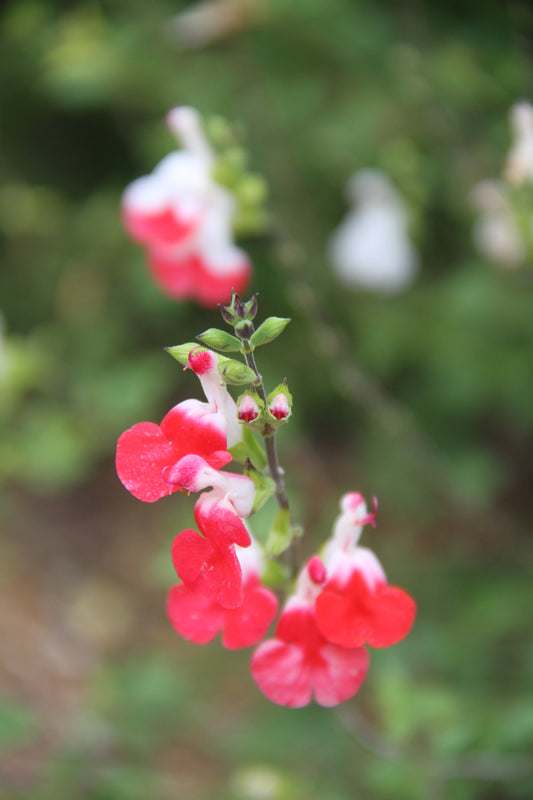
(281, 534)
(181, 351)
(269, 330)
(264, 485)
(235, 373)
(220, 340)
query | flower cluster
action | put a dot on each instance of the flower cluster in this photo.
(183, 218)
(341, 601)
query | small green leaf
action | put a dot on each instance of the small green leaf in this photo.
(220, 340)
(269, 330)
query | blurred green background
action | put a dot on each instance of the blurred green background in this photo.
(423, 398)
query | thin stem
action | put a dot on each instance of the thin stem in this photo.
(270, 441)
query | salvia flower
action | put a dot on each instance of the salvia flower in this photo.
(357, 605)
(147, 452)
(184, 220)
(198, 615)
(299, 664)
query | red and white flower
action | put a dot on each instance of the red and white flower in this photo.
(299, 664)
(184, 219)
(146, 452)
(357, 605)
(198, 615)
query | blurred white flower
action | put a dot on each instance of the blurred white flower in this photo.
(211, 20)
(519, 165)
(496, 233)
(371, 248)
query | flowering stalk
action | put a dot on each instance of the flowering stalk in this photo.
(341, 602)
(245, 330)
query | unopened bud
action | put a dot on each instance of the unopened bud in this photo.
(279, 407)
(269, 330)
(248, 408)
(280, 402)
(220, 340)
(251, 307)
(236, 373)
(181, 352)
(244, 329)
(316, 570)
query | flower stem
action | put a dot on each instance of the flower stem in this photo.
(270, 441)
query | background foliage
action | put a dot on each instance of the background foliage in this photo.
(423, 398)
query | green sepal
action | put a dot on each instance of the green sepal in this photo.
(220, 340)
(276, 575)
(235, 372)
(264, 485)
(280, 535)
(249, 449)
(269, 330)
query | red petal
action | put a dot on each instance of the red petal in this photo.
(191, 553)
(160, 228)
(193, 428)
(282, 674)
(143, 452)
(211, 289)
(194, 616)
(248, 624)
(177, 277)
(394, 615)
(221, 524)
(353, 614)
(340, 674)
(226, 578)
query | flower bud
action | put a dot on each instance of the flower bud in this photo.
(181, 352)
(236, 373)
(280, 402)
(244, 329)
(248, 408)
(220, 340)
(269, 330)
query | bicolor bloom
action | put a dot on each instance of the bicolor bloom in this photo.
(299, 664)
(357, 605)
(198, 615)
(228, 489)
(184, 220)
(147, 452)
